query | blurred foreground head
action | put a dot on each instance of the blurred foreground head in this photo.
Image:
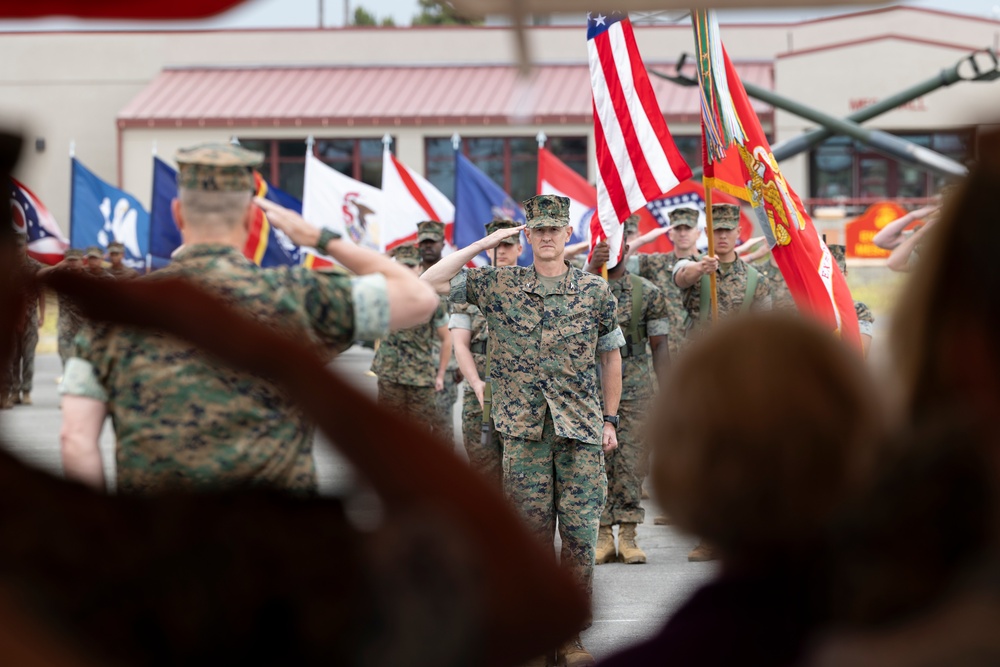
(945, 328)
(766, 425)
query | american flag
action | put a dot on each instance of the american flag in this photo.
(46, 242)
(637, 160)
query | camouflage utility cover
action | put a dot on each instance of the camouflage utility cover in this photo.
(217, 168)
(496, 224)
(547, 211)
(542, 345)
(430, 230)
(183, 420)
(684, 216)
(637, 371)
(406, 254)
(411, 356)
(725, 216)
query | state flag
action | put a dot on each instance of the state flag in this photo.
(46, 242)
(100, 214)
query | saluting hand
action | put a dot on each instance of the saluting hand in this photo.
(291, 223)
(494, 239)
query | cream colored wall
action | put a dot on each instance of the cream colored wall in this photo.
(71, 86)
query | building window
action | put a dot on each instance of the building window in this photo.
(512, 162)
(844, 170)
(285, 159)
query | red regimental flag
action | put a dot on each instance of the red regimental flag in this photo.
(750, 172)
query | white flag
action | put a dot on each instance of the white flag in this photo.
(414, 200)
(352, 208)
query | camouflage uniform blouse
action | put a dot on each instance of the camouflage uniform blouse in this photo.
(637, 371)
(781, 298)
(542, 346)
(180, 418)
(659, 268)
(731, 287)
(411, 356)
(467, 316)
(123, 272)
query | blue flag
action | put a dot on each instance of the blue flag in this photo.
(101, 213)
(266, 246)
(477, 201)
(164, 237)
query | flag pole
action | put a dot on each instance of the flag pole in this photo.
(710, 233)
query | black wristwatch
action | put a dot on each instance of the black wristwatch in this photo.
(325, 236)
(612, 419)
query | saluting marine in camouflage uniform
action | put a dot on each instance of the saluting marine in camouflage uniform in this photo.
(659, 268)
(866, 319)
(644, 317)
(430, 241)
(94, 262)
(23, 368)
(470, 334)
(182, 420)
(734, 279)
(116, 253)
(547, 323)
(407, 362)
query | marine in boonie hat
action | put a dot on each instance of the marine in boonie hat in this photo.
(497, 224)
(725, 216)
(685, 216)
(430, 230)
(217, 168)
(406, 254)
(547, 211)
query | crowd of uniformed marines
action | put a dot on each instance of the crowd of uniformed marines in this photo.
(559, 364)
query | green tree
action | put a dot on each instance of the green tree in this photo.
(441, 12)
(388, 22)
(363, 17)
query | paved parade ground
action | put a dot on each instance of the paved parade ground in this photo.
(631, 600)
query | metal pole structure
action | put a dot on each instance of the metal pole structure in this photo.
(882, 142)
(977, 66)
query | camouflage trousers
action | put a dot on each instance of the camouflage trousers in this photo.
(417, 404)
(23, 368)
(66, 336)
(486, 460)
(626, 466)
(446, 405)
(559, 478)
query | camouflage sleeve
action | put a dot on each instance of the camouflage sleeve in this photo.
(472, 286)
(657, 311)
(328, 300)
(680, 265)
(610, 336)
(370, 296)
(440, 317)
(762, 295)
(88, 364)
(80, 379)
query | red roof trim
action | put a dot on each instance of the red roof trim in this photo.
(877, 38)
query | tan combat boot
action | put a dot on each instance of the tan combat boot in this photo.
(605, 552)
(628, 551)
(572, 654)
(7, 402)
(25, 399)
(702, 553)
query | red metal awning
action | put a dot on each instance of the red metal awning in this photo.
(392, 96)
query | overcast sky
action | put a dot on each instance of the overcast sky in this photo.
(306, 13)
